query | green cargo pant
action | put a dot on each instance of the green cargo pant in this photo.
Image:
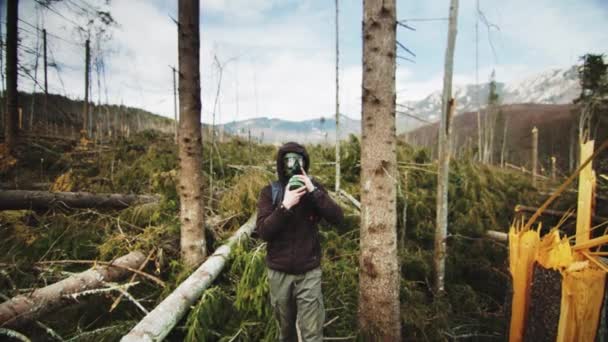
(298, 296)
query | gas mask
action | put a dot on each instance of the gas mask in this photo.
(293, 165)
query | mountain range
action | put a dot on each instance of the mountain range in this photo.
(554, 86)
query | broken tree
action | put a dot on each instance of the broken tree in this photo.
(441, 229)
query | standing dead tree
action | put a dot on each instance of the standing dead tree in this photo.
(444, 152)
(337, 189)
(220, 67)
(490, 122)
(11, 117)
(534, 157)
(86, 124)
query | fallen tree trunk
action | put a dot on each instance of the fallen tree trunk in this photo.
(24, 199)
(556, 213)
(24, 308)
(497, 236)
(26, 186)
(351, 199)
(159, 322)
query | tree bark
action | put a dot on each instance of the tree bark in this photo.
(23, 308)
(11, 131)
(379, 275)
(159, 322)
(25, 199)
(193, 244)
(444, 153)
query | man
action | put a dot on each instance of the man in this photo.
(287, 220)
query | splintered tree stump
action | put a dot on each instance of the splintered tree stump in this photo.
(24, 199)
(545, 302)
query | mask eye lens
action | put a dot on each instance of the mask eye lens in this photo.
(291, 161)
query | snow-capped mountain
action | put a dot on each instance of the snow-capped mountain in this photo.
(277, 130)
(555, 86)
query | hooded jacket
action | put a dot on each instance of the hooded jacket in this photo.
(293, 235)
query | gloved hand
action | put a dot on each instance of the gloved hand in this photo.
(292, 197)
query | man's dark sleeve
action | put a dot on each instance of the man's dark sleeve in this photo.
(326, 206)
(270, 220)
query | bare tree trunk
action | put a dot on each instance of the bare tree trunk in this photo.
(46, 84)
(85, 105)
(174, 103)
(11, 131)
(379, 274)
(193, 244)
(494, 122)
(404, 213)
(28, 199)
(30, 123)
(504, 143)
(479, 130)
(160, 321)
(24, 308)
(337, 100)
(444, 153)
(571, 149)
(534, 155)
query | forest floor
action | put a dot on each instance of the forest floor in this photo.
(36, 244)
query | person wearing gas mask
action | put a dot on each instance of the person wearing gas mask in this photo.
(289, 211)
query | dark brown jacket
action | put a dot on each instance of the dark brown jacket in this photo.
(293, 235)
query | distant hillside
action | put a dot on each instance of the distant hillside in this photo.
(64, 117)
(555, 86)
(556, 125)
(552, 87)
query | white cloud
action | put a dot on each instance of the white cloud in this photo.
(285, 52)
(241, 9)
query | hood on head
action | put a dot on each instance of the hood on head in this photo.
(286, 148)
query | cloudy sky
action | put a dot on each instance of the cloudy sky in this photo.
(278, 56)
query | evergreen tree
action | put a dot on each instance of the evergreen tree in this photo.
(593, 100)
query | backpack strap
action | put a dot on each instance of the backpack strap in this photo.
(277, 192)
